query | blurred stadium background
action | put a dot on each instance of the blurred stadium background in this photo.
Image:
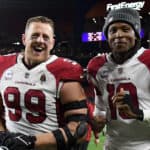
(78, 24)
(78, 27)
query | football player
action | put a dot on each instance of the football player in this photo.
(44, 102)
(122, 83)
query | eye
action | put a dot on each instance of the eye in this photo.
(125, 29)
(46, 38)
(112, 30)
(34, 36)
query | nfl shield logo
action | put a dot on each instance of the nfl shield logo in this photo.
(120, 70)
(43, 78)
(27, 75)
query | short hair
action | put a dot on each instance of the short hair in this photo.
(41, 19)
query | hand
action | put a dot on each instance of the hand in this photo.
(98, 123)
(125, 105)
(17, 141)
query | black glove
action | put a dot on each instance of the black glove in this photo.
(16, 141)
(81, 130)
(127, 100)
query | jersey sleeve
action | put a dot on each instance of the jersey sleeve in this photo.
(93, 66)
(144, 58)
(72, 71)
(92, 69)
(6, 61)
(66, 70)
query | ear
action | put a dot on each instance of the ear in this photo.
(23, 39)
(52, 43)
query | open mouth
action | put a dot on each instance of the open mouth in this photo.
(38, 49)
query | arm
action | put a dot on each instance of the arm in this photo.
(98, 118)
(99, 114)
(70, 92)
(2, 122)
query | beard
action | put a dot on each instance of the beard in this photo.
(121, 56)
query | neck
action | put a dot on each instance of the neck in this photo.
(121, 57)
(29, 65)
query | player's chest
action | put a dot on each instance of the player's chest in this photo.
(24, 81)
(122, 73)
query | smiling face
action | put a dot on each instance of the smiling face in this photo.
(38, 40)
(121, 37)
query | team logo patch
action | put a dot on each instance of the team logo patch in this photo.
(120, 70)
(27, 75)
(43, 78)
(8, 75)
(104, 74)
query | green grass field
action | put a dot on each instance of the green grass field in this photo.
(93, 146)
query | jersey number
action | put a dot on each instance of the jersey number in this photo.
(34, 102)
(127, 87)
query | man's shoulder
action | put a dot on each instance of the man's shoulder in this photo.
(7, 61)
(96, 62)
(144, 56)
(66, 68)
(64, 64)
(8, 58)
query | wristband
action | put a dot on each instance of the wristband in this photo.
(140, 115)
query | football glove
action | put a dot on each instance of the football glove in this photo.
(127, 100)
(16, 141)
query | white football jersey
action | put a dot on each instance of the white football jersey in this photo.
(134, 77)
(31, 96)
